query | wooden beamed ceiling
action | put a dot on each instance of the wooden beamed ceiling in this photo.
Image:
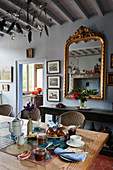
(57, 12)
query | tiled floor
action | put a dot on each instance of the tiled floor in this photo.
(102, 162)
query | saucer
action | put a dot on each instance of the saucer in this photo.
(24, 155)
(35, 125)
(75, 145)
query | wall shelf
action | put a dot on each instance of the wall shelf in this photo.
(85, 75)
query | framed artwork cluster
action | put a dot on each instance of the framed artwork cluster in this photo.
(6, 74)
(54, 81)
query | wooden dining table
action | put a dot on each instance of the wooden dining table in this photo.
(94, 142)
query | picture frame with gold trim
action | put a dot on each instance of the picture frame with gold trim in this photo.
(5, 87)
(110, 79)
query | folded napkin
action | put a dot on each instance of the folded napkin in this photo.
(72, 156)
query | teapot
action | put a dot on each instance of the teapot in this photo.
(15, 127)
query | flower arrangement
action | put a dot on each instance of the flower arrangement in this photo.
(39, 90)
(81, 94)
(29, 108)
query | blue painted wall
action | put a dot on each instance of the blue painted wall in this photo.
(52, 48)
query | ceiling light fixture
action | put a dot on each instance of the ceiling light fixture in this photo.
(13, 36)
(31, 11)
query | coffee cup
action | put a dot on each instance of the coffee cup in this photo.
(75, 139)
(20, 139)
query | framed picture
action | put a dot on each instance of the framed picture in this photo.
(111, 61)
(53, 95)
(29, 53)
(53, 67)
(110, 79)
(53, 81)
(5, 87)
(6, 74)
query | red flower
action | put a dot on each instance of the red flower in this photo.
(74, 96)
(77, 93)
(38, 89)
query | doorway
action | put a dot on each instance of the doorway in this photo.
(30, 81)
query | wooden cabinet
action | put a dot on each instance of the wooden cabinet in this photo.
(39, 100)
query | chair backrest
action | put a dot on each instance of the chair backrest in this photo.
(73, 118)
(35, 114)
(6, 109)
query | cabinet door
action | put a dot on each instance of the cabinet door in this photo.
(39, 101)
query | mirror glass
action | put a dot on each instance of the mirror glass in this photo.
(84, 65)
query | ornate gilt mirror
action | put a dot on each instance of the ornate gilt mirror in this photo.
(84, 63)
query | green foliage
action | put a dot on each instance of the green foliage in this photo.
(82, 93)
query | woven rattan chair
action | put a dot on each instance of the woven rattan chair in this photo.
(72, 118)
(35, 114)
(6, 109)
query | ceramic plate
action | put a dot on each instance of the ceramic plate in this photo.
(54, 137)
(36, 126)
(32, 138)
(24, 155)
(76, 145)
(23, 158)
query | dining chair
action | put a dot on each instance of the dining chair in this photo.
(72, 118)
(6, 109)
(35, 114)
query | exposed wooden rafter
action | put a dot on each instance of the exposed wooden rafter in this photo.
(80, 9)
(54, 18)
(97, 7)
(4, 33)
(1, 34)
(25, 10)
(63, 11)
(21, 19)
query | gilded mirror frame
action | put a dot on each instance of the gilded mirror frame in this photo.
(84, 34)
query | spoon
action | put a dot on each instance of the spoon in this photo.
(48, 145)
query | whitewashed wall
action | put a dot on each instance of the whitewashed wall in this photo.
(52, 48)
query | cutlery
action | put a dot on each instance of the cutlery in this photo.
(79, 153)
(69, 159)
(66, 152)
(55, 145)
(48, 145)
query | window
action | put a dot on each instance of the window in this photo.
(24, 77)
(32, 77)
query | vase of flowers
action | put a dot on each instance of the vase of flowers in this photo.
(81, 94)
(81, 104)
(29, 108)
